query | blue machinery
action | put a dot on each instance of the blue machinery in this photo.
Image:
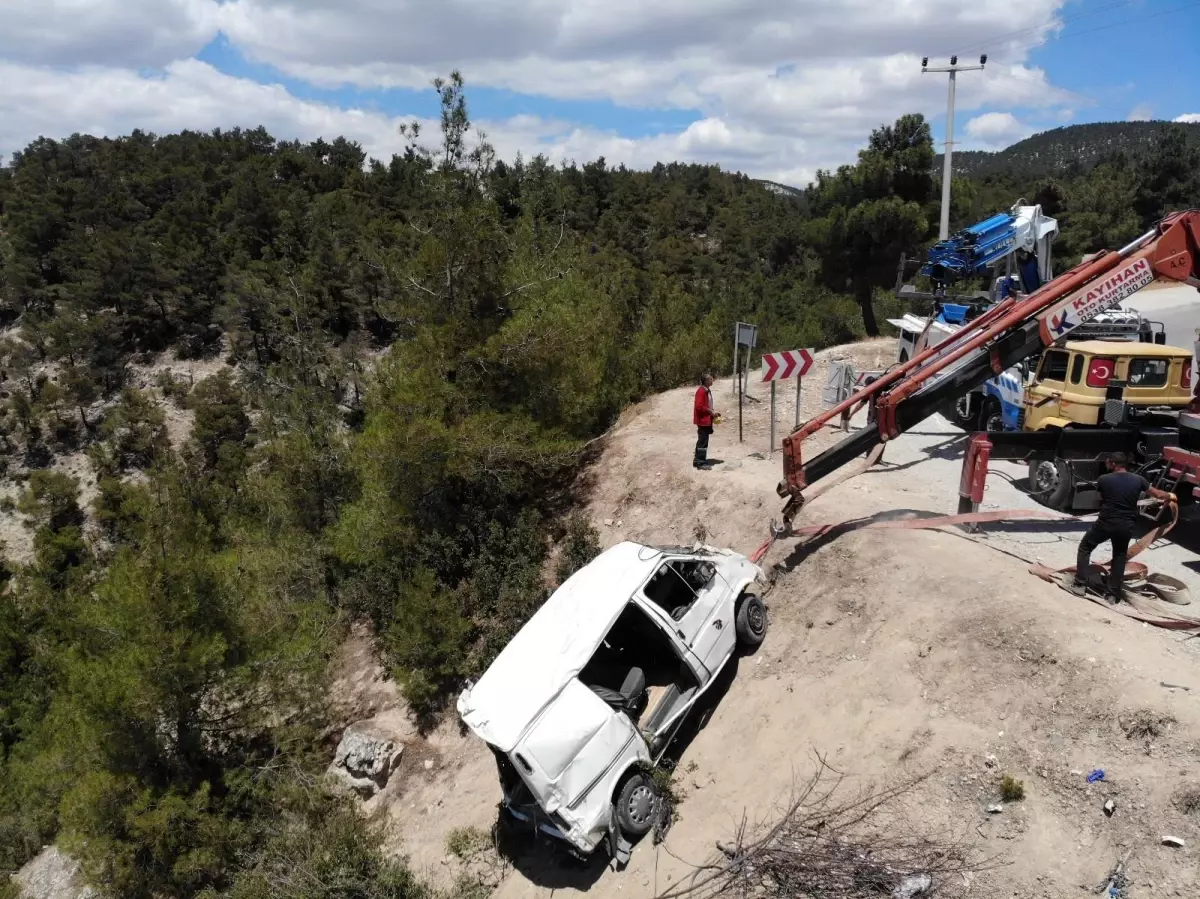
(1024, 236)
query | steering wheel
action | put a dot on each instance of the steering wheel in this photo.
(678, 612)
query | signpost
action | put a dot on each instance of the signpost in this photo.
(780, 367)
(744, 335)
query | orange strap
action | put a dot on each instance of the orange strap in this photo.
(919, 524)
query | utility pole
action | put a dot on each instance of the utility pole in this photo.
(954, 68)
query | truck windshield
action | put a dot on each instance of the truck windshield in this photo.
(1054, 365)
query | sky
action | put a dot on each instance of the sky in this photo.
(777, 89)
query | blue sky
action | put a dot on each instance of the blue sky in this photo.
(1140, 59)
(775, 88)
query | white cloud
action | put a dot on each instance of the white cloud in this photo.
(132, 33)
(1189, 118)
(1143, 112)
(781, 87)
(192, 94)
(997, 129)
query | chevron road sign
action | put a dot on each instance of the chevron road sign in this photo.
(780, 367)
(788, 364)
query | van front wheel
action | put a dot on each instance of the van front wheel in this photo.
(635, 805)
(751, 621)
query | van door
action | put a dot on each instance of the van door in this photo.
(690, 592)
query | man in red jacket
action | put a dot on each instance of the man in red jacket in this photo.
(702, 416)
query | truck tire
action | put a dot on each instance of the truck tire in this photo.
(992, 416)
(965, 412)
(1052, 483)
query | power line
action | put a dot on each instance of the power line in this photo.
(998, 39)
(1131, 21)
(1134, 21)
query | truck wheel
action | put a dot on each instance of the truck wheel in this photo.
(635, 805)
(992, 418)
(751, 623)
(1052, 483)
(966, 412)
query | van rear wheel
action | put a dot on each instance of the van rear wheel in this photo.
(635, 805)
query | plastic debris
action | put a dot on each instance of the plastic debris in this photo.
(1109, 808)
(995, 808)
(1173, 842)
(916, 885)
(1096, 775)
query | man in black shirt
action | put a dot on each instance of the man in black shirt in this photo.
(1120, 491)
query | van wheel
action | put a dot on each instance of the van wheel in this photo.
(1052, 483)
(635, 805)
(751, 624)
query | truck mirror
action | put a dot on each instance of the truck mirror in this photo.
(1160, 338)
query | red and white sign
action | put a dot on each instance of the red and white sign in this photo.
(788, 364)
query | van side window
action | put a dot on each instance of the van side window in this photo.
(675, 585)
(1054, 365)
(1077, 369)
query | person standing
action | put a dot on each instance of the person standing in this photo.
(1120, 491)
(702, 416)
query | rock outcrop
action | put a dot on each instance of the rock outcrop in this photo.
(365, 759)
(53, 875)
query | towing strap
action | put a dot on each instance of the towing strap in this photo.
(918, 524)
(1142, 587)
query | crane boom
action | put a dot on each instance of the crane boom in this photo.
(1010, 331)
(975, 250)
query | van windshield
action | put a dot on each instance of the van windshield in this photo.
(675, 585)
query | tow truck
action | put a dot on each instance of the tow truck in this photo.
(1013, 330)
(1014, 250)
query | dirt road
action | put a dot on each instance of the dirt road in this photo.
(894, 653)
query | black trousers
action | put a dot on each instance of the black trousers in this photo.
(1119, 536)
(702, 444)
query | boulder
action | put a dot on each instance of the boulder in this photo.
(52, 875)
(365, 759)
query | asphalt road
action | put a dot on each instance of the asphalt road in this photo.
(1178, 308)
(927, 462)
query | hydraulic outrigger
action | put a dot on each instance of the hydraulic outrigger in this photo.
(1013, 330)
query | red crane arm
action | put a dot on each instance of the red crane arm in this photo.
(1008, 332)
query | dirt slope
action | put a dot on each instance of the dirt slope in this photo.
(892, 652)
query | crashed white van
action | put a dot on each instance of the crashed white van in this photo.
(590, 691)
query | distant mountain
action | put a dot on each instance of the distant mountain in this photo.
(1062, 149)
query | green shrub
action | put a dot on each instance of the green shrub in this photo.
(1012, 790)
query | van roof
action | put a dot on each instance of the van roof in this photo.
(1126, 348)
(555, 644)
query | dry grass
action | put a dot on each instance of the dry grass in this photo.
(834, 849)
(1187, 799)
(1144, 724)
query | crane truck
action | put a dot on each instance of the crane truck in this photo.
(1021, 243)
(1012, 330)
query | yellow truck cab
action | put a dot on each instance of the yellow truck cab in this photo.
(1096, 384)
(1073, 382)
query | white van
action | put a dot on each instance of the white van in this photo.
(585, 698)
